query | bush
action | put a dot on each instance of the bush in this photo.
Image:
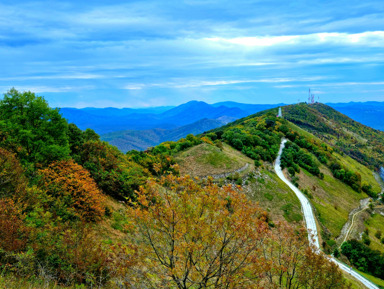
(291, 171)
(72, 192)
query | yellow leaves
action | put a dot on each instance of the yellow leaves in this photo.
(185, 227)
(207, 140)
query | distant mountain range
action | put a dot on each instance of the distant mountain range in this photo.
(370, 113)
(139, 129)
(142, 139)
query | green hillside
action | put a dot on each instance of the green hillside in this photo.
(77, 212)
(364, 144)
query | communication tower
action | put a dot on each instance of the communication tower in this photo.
(280, 114)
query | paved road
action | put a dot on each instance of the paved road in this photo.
(311, 223)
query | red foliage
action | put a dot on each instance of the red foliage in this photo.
(72, 187)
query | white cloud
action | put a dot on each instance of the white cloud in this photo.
(49, 89)
(46, 77)
(335, 84)
(201, 83)
(369, 38)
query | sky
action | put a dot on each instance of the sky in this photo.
(159, 53)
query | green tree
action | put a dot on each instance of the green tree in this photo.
(33, 130)
(113, 172)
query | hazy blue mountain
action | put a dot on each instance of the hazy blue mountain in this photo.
(370, 113)
(129, 128)
(142, 139)
(105, 120)
(249, 108)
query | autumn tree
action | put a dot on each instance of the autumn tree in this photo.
(292, 263)
(199, 236)
(33, 130)
(13, 232)
(71, 191)
(12, 180)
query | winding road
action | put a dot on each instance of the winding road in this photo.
(311, 222)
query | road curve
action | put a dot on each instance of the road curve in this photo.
(311, 223)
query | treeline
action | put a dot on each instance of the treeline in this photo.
(293, 157)
(364, 258)
(258, 137)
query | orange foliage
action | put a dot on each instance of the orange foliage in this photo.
(194, 236)
(199, 237)
(207, 140)
(13, 233)
(72, 187)
(292, 263)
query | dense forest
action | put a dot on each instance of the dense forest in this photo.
(64, 193)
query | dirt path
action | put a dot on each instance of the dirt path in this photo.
(347, 228)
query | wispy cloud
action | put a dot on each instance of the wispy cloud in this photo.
(200, 83)
(47, 89)
(370, 38)
(141, 52)
(336, 84)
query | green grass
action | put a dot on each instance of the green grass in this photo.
(216, 158)
(375, 223)
(336, 202)
(332, 199)
(206, 159)
(366, 174)
(377, 281)
(274, 196)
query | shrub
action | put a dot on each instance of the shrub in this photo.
(72, 192)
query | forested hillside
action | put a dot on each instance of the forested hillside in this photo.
(361, 142)
(75, 210)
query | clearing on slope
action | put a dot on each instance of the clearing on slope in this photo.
(207, 160)
(260, 184)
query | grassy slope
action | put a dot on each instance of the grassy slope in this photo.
(333, 200)
(375, 223)
(205, 159)
(274, 195)
(262, 185)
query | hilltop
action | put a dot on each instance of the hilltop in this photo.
(359, 141)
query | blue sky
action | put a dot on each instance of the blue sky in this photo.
(154, 53)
